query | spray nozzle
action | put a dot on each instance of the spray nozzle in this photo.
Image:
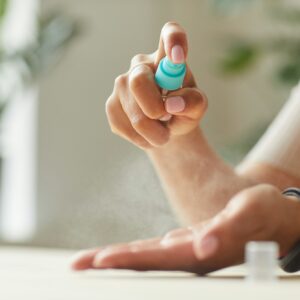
(170, 76)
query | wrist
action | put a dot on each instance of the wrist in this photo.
(290, 260)
(180, 141)
(291, 223)
(190, 169)
(193, 154)
(295, 208)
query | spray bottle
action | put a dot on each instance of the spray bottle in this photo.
(169, 76)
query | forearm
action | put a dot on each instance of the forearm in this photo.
(267, 173)
(197, 182)
(275, 158)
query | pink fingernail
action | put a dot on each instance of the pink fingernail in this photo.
(177, 54)
(174, 104)
(207, 246)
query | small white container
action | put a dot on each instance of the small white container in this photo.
(262, 261)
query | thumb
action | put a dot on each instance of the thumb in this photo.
(220, 244)
(172, 43)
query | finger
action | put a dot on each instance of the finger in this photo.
(83, 259)
(146, 92)
(188, 105)
(152, 131)
(189, 80)
(112, 255)
(173, 43)
(151, 256)
(120, 124)
(217, 248)
(145, 59)
(222, 242)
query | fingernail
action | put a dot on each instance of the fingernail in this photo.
(174, 104)
(207, 247)
(166, 118)
(177, 54)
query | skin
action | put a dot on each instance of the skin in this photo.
(214, 199)
(185, 162)
(258, 213)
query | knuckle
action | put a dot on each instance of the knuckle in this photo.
(256, 203)
(114, 130)
(261, 197)
(110, 113)
(109, 106)
(250, 207)
(244, 202)
(137, 59)
(154, 114)
(139, 122)
(138, 77)
(120, 81)
(204, 103)
(270, 190)
(140, 142)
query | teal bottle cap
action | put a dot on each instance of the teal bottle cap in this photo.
(170, 76)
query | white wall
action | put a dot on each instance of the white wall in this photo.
(18, 30)
(94, 188)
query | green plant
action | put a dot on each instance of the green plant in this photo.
(2, 8)
(243, 52)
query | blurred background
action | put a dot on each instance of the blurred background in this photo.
(66, 180)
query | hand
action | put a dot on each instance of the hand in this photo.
(135, 108)
(258, 213)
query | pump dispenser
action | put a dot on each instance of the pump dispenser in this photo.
(170, 76)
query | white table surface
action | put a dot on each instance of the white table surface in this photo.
(41, 274)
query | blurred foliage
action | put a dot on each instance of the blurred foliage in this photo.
(54, 34)
(243, 53)
(236, 150)
(55, 31)
(241, 56)
(2, 8)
